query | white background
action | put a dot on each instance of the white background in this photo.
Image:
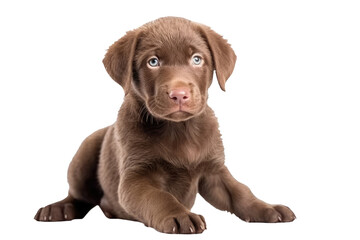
(289, 118)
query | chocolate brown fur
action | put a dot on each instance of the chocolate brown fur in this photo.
(165, 146)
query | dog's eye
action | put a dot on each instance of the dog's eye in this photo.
(154, 62)
(196, 60)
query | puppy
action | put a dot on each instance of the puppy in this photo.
(165, 145)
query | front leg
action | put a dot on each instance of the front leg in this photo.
(225, 193)
(141, 196)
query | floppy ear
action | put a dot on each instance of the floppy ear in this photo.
(223, 55)
(119, 59)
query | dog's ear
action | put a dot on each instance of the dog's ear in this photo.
(223, 55)
(118, 60)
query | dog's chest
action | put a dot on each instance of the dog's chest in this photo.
(183, 154)
(183, 148)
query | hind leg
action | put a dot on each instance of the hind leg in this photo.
(85, 191)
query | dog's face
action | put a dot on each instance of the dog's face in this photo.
(169, 64)
(172, 71)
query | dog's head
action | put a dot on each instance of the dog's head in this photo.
(169, 64)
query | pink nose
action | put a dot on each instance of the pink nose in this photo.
(179, 96)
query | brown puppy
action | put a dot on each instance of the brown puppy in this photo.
(165, 145)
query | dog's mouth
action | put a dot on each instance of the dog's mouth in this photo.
(178, 116)
(175, 113)
(176, 106)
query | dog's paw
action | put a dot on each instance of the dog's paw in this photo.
(286, 215)
(65, 210)
(268, 213)
(56, 212)
(184, 223)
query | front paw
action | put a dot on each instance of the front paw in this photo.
(263, 212)
(184, 223)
